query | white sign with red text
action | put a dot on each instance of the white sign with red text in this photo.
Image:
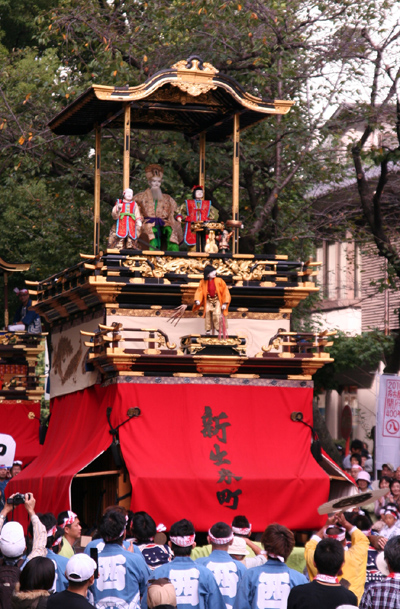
(388, 421)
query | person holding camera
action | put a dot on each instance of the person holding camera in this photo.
(13, 545)
(12, 536)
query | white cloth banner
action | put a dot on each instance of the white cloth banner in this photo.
(7, 450)
(387, 441)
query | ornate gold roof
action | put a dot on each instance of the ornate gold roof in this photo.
(6, 267)
(190, 97)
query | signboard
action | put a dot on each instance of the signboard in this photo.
(7, 449)
(388, 421)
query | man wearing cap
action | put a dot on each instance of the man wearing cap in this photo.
(196, 210)
(122, 574)
(214, 296)
(227, 571)
(386, 594)
(12, 538)
(239, 551)
(159, 211)
(268, 586)
(25, 320)
(195, 586)
(69, 521)
(128, 222)
(79, 572)
(355, 558)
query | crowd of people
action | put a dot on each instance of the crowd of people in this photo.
(353, 560)
(132, 563)
(383, 514)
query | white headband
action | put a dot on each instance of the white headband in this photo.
(239, 531)
(392, 511)
(220, 541)
(51, 532)
(183, 542)
(340, 536)
(276, 556)
(69, 519)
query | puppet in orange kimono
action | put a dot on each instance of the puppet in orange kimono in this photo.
(125, 231)
(214, 296)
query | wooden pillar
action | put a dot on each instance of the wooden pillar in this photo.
(127, 147)
(6, 319)
(235, 181)
(96, 214)
(202, 163)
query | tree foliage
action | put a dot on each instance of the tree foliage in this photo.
(353, 355)
(304, 50)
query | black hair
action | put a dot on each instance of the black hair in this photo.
(143, 527)
(129, 523)
(182, 528)
(241, 522)
(357, 457)
(362, 522)
(76, 585)
(335, 530)
(356, 445)
(38, 574)
(112, 526)
(386, 478)
(49, 521)
(220, 530)
(329, 556)
(59, 533)
(392, 554)
(393, 480)
(61, 517)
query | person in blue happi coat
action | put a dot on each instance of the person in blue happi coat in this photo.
(122, 574)
(268, 586)
(194, 584)
(99, 542)
(60, 562)
(227, 571)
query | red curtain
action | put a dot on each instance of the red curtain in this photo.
(24, 429)
(208, 452)
(77, 434)
(204, 452)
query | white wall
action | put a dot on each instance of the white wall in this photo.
(347, 319)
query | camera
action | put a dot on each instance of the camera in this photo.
(18, 499)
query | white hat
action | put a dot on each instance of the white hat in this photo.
(238, 547)
(80, 568)
(382, 564)
(12, 540)
(364, 476)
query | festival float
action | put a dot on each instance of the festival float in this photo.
(21, 388)
(177, 385)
